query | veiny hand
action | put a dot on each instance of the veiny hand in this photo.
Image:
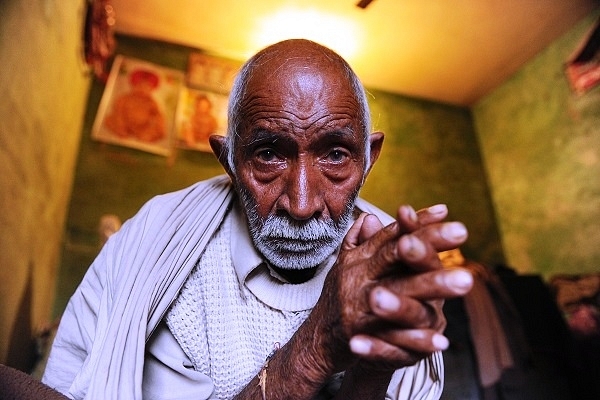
(382, 301)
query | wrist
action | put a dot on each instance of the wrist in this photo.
(362, 382)
(308, 359)
(306, 362)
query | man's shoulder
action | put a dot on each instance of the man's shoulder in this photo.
(194, 200)
(197, 191)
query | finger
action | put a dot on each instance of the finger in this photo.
(443, 236)
(388, 296)
(406, 312)
(435, 213)
(407, 219)
(399, 347)
(387, 252)
(415, 340)
(373, 237)
(365, 228)
(412, 220)
(417, 254)
(416, 251)
(385, 308)
(420, 249)
(416, 301)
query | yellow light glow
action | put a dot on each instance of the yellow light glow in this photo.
(335, 32)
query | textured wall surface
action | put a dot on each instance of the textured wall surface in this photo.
(431, 156)
(44, 87)
(541, 149)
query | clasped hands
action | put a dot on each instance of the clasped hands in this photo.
(382, 300)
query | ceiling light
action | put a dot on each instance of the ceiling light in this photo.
(338, 33)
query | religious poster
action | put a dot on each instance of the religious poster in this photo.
(211, 73)
(200, 114)
(138, 106)
(583, 66)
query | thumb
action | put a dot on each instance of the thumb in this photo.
(352, 238)
(370, 226)
(365, 226)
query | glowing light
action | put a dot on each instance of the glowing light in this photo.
(335, 32)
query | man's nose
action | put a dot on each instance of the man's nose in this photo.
(304, 192)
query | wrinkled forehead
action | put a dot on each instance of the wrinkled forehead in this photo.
(301, 92)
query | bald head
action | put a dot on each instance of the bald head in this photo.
(298, 52)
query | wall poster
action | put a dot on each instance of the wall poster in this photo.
(202, 109)
(138, 106)
(583, 67)
(200, 113)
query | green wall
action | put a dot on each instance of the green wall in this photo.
(430, 156)
(541, 147)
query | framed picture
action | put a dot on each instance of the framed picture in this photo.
(200, 113)
(138, 106)
(211, 73)
(583, 66)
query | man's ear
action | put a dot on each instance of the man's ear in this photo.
(218, 144)
(376, 140)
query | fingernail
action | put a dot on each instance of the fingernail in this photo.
(440, 342)
(413, 247)
(459, 280)
(454, 231)
(412, 214)
(360, 345)
(386, 300)
(437, 209)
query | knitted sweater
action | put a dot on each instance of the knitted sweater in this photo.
(224, 329)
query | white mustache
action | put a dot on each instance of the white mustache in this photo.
(279, 227)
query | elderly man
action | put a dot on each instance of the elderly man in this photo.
(276, 282)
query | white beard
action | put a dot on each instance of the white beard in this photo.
(295, 245)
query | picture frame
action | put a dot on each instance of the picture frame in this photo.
(582, 68)
(212, 73)
(200, 113)
(138, 106)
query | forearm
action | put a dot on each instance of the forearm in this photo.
(292, 373)
(285, 383)
(296, 371)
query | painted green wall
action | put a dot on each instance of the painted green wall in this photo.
(430, 156)
(541, 147)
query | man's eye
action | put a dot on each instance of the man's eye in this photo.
(337, 155)
(266, 155)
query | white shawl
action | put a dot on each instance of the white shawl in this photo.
(134, 279)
